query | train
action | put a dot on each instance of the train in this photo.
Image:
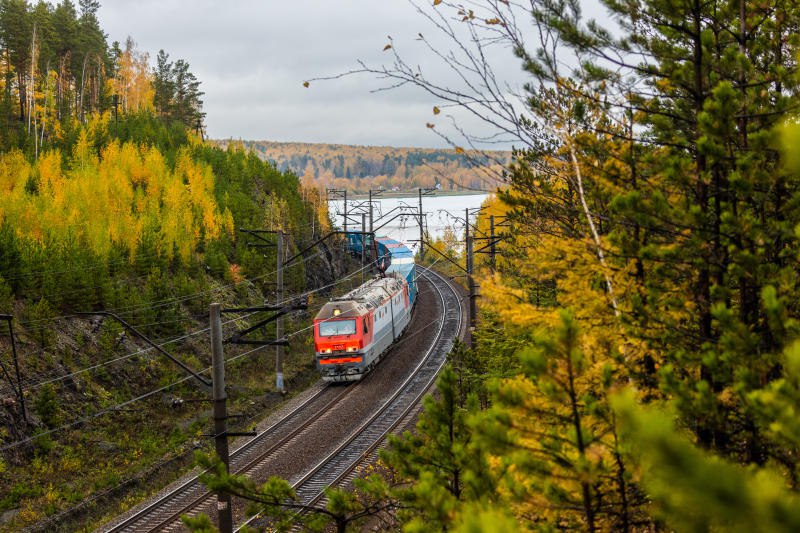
(354, 331)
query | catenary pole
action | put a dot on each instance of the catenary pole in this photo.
(344, 224)
(493, 247)
(279, 322)
(470, 279)
(220, 415)
(421, 229)
(364, 241)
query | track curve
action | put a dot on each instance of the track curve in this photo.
(315, 415)
(341, 463)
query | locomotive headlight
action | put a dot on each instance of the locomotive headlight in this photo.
(327, 350)
(352, 348)
(337, 312)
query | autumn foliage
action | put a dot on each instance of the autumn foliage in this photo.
(361, 168)
(122, 197)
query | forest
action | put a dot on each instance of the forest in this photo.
(112, 205)
(636, 363)
(361, 168)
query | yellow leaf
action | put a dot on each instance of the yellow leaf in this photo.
(387, 47)
(305, 84)
(459, 150)
(429, 125)
(436, 110)
(493, 21)
(437, 2)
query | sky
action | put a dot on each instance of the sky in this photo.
(253, 56)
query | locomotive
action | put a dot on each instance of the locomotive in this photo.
(352, 332)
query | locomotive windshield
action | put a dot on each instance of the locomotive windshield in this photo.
(337, 327)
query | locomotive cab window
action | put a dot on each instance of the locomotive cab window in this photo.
(366, 328)
(337, 327)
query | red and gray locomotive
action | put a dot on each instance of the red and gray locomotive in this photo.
(353, 332)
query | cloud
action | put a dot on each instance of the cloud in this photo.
(253, 56)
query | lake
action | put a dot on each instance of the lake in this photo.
(396, 217)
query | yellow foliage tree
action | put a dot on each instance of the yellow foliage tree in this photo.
(133, 82)
(124, 196)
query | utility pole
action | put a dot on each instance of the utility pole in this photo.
(372, 194)
(364, 240)
(279, 323)
(333, 194)
(279, 262)
(219, 397)
(20, 395)
(470, 279)
(423, 192)
(493, 247)
(345, 212)
(370, 213)
(421, 229)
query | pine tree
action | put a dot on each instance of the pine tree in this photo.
(16, 30)
(163, 84)
(444, 473)
(187, 105)
(552, 430)
(703, 227)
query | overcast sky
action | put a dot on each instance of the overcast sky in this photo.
(252, 57)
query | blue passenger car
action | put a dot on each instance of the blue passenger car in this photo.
(402, 259)
(354, 242)
(402, 262)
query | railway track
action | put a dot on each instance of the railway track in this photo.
(191, 497)
(164, 513)
(340, 466)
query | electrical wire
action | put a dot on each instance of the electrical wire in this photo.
(93, 416)
(27, 385)
(127, 311)
(118, 406)
(32, 385)
(32, 273)
(118, 359)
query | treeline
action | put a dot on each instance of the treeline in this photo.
(637, 362)
(641, 325)
(119, 206)
(111, 202)
(139, 219)
(56, 69)
(360, 168)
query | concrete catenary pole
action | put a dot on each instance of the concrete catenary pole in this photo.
(344, 224)
(470, 279)
(492, 244)
(421, 228)
(364, 240)
(279, 322)
(220, 415)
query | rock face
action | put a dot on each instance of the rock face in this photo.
(8, 516)
(323, 268)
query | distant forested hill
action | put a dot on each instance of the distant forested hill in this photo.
(360, 168)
